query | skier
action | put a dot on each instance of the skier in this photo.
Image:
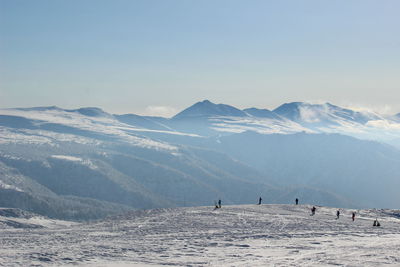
(313, 209)
(297, 201)
(219, 203)
(259, 201)
(337, 214)
(353, 216)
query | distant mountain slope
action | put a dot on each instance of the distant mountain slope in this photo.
(87, 163)
(261, 113)
(208, 119)
(11, 218)
(91, 112)
(364, 171)
(322, 113)
(152, 123)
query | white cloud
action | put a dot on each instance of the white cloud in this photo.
(162, 111)
(384, 124)
(376, 109)
(309, 115)
(69, 158)
(314, 113)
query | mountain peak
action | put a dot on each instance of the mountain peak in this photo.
(206, 101)
(206, 108)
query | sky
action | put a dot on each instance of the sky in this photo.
(157, 57)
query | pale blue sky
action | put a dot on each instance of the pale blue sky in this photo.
(135, 56)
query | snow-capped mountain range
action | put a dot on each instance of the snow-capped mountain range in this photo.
(214, 119)
(295, 117)
(61, 162)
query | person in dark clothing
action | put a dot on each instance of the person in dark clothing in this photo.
(337, 214)
(216, 205)
(313, 209)
(259, 201)
(297, 201)
(219, 203)
(353, 216)
(376, 223)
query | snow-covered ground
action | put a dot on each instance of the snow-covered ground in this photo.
(11, 218)
(246, 235)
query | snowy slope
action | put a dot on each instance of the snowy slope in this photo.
(40, 126)
(19, 219)
(249, 235)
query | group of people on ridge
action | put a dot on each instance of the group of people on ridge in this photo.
(313, 209)
(353, 216)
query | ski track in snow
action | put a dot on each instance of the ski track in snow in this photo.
(246, 235)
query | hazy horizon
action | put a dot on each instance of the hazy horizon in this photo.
(157, 57)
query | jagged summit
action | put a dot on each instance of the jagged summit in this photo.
(207, 108)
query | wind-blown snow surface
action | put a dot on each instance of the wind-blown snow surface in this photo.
(248, 235)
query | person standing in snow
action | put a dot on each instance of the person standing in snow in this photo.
(216, 205)
(313, 209)
(337, 214)
(259, 201)
(219, 203)
(353, 216)
(376, 223)
(297, 201)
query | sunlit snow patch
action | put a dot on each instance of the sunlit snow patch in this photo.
(9, 187)
(86, 162)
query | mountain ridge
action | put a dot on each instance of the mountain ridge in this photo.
(64, 162)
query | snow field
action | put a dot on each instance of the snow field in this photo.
(246, 235)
